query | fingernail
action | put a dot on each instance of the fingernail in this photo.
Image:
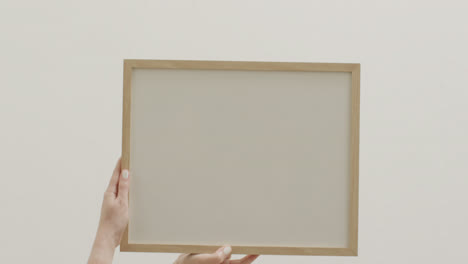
(125, 174)
(227, 250)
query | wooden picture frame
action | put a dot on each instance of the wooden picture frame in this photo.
(352, 68)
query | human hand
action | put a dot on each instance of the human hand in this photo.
(114, 217)
(221, 256)
(114, 211)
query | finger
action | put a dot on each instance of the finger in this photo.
(181, 258)
(245, 260)
(124, 181)
(217, 257)
(227, 252)
(115, 178)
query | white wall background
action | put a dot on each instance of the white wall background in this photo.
(61, 93)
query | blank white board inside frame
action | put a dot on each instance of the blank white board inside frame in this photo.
(262, 156)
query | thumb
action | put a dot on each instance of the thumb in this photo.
(124, 181)
(225, 254)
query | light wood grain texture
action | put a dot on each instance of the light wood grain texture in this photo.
(239, 250)
(354, 69)
(354, 185)
(241, 65)
(127, 96)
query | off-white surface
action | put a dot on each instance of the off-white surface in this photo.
(240, 157)
(61, 103)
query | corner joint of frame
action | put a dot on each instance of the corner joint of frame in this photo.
(353, 252)
(129, 63)
(356, 67)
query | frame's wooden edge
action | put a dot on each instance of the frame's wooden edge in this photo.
(126, 108)
(126, 114)
(311, 251)
(240, 65)
(354, 154)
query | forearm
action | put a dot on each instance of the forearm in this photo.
(102, 251)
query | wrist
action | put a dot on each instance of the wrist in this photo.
(102, 251)
(106, 238)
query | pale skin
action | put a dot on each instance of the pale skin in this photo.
(114, 220)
